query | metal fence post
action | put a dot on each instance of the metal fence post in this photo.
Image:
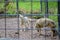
(46, 13)
(46, 8)
(17, 7)
(41, 5)
(59, 17)
(31, 21)
(5, 17)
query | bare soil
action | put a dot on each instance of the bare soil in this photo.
(12, 28)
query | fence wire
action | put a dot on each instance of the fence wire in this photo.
(17, 14)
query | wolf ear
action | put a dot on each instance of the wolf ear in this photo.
(53, 23)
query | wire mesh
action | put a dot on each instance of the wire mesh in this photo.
(17, 33)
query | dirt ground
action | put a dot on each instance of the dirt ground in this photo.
(12, 28)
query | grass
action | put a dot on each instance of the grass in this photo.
(26, 6)
(36, 5)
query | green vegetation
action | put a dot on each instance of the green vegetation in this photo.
(25, 7)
